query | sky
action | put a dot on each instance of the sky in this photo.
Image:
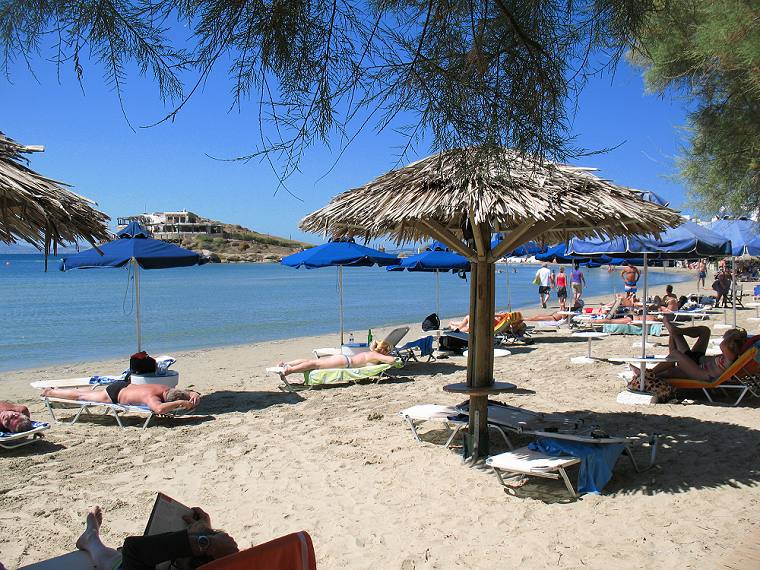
(90, 145)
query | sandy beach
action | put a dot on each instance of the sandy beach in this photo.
(339, 463)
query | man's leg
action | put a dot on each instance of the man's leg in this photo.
(79, 395)
(103, 557)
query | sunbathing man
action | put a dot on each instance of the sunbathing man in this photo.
(196, 545)
(691, 362)
(159, 398)
(379, 353)
(14, 418)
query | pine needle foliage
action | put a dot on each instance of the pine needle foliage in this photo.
(461, 73)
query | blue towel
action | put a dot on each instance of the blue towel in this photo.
(425, 344)
(101, 380)
(34, 426)
(597, 460)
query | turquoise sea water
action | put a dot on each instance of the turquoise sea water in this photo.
(83, 315)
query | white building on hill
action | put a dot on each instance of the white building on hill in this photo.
(171, 226)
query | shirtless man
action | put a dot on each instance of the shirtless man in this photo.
(701, 273)
(630, 276)
(159, 398)
(14, 418)
(379, 354)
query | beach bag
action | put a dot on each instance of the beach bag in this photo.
(537, 280)
(141, 363)
(659, 388)
(452, 343)
(431, 323)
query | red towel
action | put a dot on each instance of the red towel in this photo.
(291, 552)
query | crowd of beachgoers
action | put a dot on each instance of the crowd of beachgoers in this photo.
(264, 456)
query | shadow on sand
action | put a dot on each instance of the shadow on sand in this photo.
(693, 454)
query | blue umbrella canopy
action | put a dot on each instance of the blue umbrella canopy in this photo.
(438, 259)
(134, 247)
(558, 254)
(341, 253)
(687, 241)
(133, 243)
(743, 233)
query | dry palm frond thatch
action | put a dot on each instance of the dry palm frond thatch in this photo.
(40, 211)
(497, 187)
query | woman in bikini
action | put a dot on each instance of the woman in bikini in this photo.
(379, 353)
(691, 362)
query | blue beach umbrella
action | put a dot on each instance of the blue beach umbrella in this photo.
(687, 241)
(743, 233)
(436, 258)
(340, 254)
(136, 248)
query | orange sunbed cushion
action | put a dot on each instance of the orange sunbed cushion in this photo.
(291, 552)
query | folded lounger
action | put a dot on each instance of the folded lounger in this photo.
(11, 440)
(743, 375)
(337, 375)
(107, 408)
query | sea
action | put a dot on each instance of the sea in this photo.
(85, 315)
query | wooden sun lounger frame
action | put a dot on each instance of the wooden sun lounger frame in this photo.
(108, 409)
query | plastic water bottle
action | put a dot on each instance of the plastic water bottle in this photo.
(369, 337)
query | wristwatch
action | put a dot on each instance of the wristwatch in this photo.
(203, 542)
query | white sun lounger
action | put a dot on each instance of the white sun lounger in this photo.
(9, 440)
(447, 415)
(107, 408)
(74, 382)
(521, 462)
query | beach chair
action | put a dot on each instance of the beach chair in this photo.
(743, 375)
(84, 407)
(449, 416)
(409, 351)
(291, 552)
(634, 328)
(336, 375)
(93, 381)
(554, 451)
(587, 319)
(391, 339)
(512, 329)
(11, 440)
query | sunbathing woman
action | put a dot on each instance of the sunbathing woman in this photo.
(461, 326)
(691, 362)
(379, 353)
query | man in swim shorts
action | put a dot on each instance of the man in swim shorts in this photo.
(159, 398)
(630, 276)
(379, 354)
(701, 273)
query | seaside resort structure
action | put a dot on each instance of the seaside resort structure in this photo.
(173, 226)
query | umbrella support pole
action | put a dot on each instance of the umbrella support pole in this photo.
(644, 328)
(480, 354)
(340, 296)
(138, 316)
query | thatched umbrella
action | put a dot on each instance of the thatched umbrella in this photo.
(460, 197)
(40, 211)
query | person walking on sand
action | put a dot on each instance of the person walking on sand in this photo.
(701, 273)
(561, 283)
(630, 276)
(543, 279)
(578, 282)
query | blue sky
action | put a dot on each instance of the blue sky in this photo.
(90, 145)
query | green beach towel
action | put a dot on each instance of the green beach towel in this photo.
(338, 375)
(655, 329)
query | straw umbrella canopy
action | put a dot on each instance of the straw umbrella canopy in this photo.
(41, 211)
(460, 197)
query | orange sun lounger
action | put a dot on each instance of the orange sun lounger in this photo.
(290, 552)
(742, 375)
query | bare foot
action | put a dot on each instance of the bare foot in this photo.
(46, 391)
(94, 520)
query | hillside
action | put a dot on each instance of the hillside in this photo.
(243, 245)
